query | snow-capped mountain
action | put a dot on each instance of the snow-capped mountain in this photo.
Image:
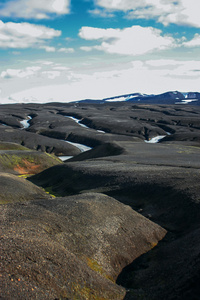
(172, 97)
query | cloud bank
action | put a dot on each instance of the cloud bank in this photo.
(25, 35)
(59, 83)
(135, 40)
(34, 9)
(180, 12)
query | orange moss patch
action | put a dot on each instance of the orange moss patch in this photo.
(26, 162)
(27, 167)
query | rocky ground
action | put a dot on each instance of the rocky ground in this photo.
(121, 220)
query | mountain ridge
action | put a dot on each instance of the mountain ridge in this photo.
(169, 97)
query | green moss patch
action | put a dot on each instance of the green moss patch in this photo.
(12, 146)
(95, 266)
(49, 191)
(26, 162)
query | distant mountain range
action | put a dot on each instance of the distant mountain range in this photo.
(172, 97)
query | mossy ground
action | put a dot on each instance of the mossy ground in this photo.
(49, 191)
(12, 146)
(86, 292)
(26, 162)
(95, 266)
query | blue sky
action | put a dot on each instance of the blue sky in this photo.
(62, 50)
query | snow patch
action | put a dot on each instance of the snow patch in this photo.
(25, 122)
(155, 139)
(101, 131)
(186, 101)
(77, 121)
(82, 125)
(189, 100)
(117, 99)
(64, 158)
(81, 147)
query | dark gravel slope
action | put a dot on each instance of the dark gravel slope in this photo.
(160, 181)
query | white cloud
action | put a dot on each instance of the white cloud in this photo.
(181, 12)
(175, 68)
(45, 62)
(86, 48)
(163, 63)
(51, 74)
(185, 13)
(66, 50)
(20, 73)
(34, 9)
(195, 42)
(48, 48)
(25, 35)
(16, 52)
(61, 68)
(101, 13)
(135, 40)
(36, 75)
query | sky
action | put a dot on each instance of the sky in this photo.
(62, 50)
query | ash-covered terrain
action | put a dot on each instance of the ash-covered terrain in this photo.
(100, 201)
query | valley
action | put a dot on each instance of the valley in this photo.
(118, 221)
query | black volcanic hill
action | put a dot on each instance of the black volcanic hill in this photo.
(119, 221)
(71, 247)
